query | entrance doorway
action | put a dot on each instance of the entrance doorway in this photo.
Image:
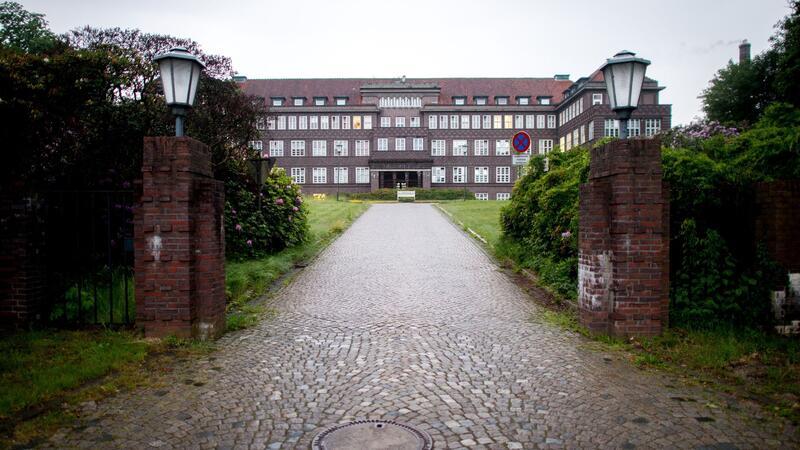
(400, 180)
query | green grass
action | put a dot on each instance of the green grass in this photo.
(482, 216)
(248, 280)
(97, 300)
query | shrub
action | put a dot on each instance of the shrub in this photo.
(279, 222)
(421, 194)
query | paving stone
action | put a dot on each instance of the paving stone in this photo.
(404, 317)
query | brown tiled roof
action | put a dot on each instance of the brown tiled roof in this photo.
(450, 87)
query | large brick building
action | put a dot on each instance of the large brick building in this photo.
(440, 133)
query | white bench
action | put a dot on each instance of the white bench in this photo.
(406, 196)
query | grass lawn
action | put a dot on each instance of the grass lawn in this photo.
(748, 363)
(249, 279)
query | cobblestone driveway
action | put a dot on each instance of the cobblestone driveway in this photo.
(405, 318)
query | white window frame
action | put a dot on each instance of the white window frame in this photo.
(386, 122)
(480, 147)
(418, 144)
(334, 122)
(400, 122)
(459, 174)
(438, 175)
(275, 149)
(519, 121)
(281, 122)
(476, 121)
(345, 122)
(540, 124)
(530, 121)
(383, 144)
(362, 175)
(319, 175)
(292, 122)
(438, 147)
(460, 147)
(597, 99)
(465, 122)
(503, 196)
(481, 174)
(545, 146)
(433, 122)
(413, 122)
(400, 144)
(297, 101)
(652, 127)
(298, 175)
(303, 123)
(551, 121)
(443, 121)
(319, 148)
(367, 122)
(313, 123)
(256, 145)
(487, 122)
(298, 148)
(362, 147)
(483, 196)
(502, 147)
(323, 123)
(502, 174)
(454, 121)
(340, 175)
(342, 146)
(634, 127)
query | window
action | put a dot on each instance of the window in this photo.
(319, 101)
(418, 144)
(277, 101)
(597, 99)
(438, 175)
(465, 122)
(458, 174)
(453, 122)
(503, 196)
(519, 121)
(523, 100)
(413, 122)
(460, 147)
(319, 175)
(540, 121)
(386, 122)
(652, 127)
(298, 148)
(367, 122)
(271, 123)
(480, 100)
(432, 122)
(383, 144)
(313, 122)
(487, 122)
(498, 122)
(400, 122)
(323, 122)
(481, 174)
(362, 147)
(476, 122)
(611, 128)
(275, 149)
(562, 142)
(362, 174)
(568, 144)
(502, 174)
(334, 122)
(340, 148)
(501, 100)
(298, 175)
(261, 124)
(345, 122)
(481, 147)
(298, 101)
(399, 144)
(437, 147)
(634, 128)
(543, 100)
(530, 121)
(591, 130)
(356, 122)
(459, 100)
(545, 146)
(319, 148)
(281, 122)
(551, 121)
(340, 175)
(341, 101)
(481, 196)
(502, 147)
(256, 145)
(443, 122)
(583, 134)
(292, 122)
(508, 121)
(303, 125)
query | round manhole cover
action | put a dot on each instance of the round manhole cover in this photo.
(372, 434)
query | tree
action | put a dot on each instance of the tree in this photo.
(24, 31)
(786, 49)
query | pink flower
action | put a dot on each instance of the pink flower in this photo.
(238, 227)
(295, 208)
(249, 243)
(298, 200)
(278, 201)
(566, 235)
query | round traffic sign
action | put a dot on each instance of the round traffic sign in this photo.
(521, 141)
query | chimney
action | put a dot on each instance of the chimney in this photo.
(744, 52)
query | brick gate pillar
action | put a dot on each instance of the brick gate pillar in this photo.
(179, 241)
(623, 266)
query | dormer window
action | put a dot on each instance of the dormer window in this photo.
(480, 100)
(277, 101)
(320, 101)
(523, 100)
(501, 100)
(460, 100)
(298, 101)
(341, 101)
(544, 100)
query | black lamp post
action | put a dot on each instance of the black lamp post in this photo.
(180, 71)
(624, 76)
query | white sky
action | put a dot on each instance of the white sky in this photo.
(686, 40)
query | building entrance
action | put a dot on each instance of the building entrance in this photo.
(400, 180)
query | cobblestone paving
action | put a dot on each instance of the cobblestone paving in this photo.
(404, 318)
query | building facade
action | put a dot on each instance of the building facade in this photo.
(359, 135)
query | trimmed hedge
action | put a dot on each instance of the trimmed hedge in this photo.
(422, 194)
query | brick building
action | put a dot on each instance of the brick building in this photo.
(433, 133)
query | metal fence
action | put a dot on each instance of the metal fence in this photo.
(89, 258)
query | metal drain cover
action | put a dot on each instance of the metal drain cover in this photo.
(372, 434)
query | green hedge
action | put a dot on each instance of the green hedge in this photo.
(421, 194)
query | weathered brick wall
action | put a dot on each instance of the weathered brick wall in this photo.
(22, 273)
(777, 221)
(179, 241)
(623, 267)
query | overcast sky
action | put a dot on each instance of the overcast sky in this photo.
(686, 40)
